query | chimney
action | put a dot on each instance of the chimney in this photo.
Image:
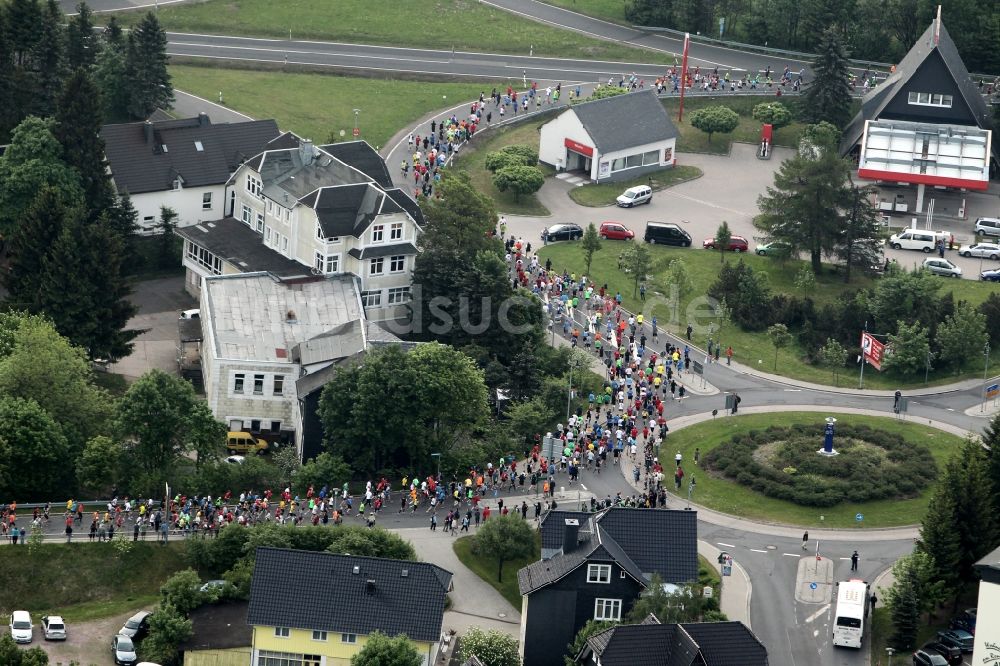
(290, 317)
(147, 131)
(370, 586)
(203, 120)
(356, 570)
(571, 534)
(306, 152)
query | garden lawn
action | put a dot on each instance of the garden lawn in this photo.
(472, 160)
(754, 347)
(727, 496)
(85, 581)
(605, 194)
(461, 25)
(320, 106)
(486, 567)
(692, 140)
(609, 10)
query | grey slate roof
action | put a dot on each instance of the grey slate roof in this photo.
(641, 541)
(319, 591)
(241, 246)
(624, 121)
(687, 644)
(406, 202)
(139, 163)
(553, 526)
(364, 158)
(876, 100)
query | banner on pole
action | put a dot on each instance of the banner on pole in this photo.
(872, 350)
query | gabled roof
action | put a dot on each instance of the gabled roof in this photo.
(149, 156)
(406, 202)
(873, 104)
(689, 644)
(642, 542)
(553, 526)
(321, 591)
(988, 568)
(346, 210)
(624, 121)
(364, 158)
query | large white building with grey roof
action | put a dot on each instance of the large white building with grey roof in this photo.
(615, 138)
(297, 209)
(263, 334)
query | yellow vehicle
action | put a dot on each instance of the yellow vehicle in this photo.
(244, 442)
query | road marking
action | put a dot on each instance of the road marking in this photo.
(845, 558)
(793, 390)
(727, 545)
(757, 550)
(817, 613)
(949, 409)
(791, 555)
(583, 486)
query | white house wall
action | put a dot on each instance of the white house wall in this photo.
(987, 643)
(187, 203)
(552, 144)
(659, 146)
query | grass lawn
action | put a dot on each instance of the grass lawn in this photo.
(604, 194)
(486, 567)
(320, 106)
(727, 496)
(85, 581)
(472, 160)
(692, 140)
(609, 10)
(462, 25)
(753, 347)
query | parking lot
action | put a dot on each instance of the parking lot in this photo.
(87, 643)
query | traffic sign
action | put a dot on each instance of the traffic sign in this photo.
(698, 368)
(859, 517)
(993, 390)
(813, 586)
(357, 132)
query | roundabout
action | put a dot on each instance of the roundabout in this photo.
(766, 467)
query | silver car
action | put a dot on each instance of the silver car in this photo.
(942, 267)
(985, 250)
(53, 628)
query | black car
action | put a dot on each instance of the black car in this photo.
(963, 640)
(966, 621)
(562, 232)
(137, 626)
(922, 658)
(951, 653)
(665, 233)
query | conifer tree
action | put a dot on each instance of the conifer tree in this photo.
(77, 127)
(146, 66)
(81, 40)
(30, 244)
(828, 96)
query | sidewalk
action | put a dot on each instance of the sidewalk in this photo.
(736, 589)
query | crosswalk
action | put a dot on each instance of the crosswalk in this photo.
(571, 178)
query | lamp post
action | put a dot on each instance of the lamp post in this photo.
(569, 392)
(438, 456)
(986, 369)
(357, 131)
(927, 367)
(890, 652)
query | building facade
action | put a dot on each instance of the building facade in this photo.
(615, 138)
(300, 209)
(986, 649)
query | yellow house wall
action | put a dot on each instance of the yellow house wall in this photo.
(300, 641)
(231, 657)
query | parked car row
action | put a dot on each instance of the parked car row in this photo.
(123, 649)
(657, 233)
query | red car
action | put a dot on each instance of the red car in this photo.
(736, 244)
(616, 231)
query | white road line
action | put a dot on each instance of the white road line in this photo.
(791, 555)
(817, 613)
(757, 550)
(844, 558)
(583, 486)
(949, 409)
(793, 390)
(727, 545)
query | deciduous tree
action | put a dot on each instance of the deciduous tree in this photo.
(34, 451)
(590, 243)
(715, 119)
(492, 648)
(909, 348)
(723, 236)
(962, 336)
(832, 356)
(774, 113)
(780, 337)
(98, 467)
(505, 538)
(519, 179)
(638, 263)
(381, 650)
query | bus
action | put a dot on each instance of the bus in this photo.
(852, 613)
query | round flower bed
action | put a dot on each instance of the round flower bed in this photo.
(783, 463)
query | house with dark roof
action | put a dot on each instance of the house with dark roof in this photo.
(318, 608)
(183, 164)
(929, 90)
(986, 617)
(651, 643)
(597, 566)
(300, 208)
(610, 139)
(219, 636)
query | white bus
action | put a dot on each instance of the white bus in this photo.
(852, 613)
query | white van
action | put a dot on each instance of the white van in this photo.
(634, 196)
(916, 239)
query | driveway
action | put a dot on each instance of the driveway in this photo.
(87, 643)
(159, 301)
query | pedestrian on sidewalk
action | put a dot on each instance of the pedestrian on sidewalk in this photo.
(854, 561)
(729, 355)
(805, 540)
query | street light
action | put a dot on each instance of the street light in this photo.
(927, 367)
(438, 456)
(986, 369)
(357, 132)
(890, 651)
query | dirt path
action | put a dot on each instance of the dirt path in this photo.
(89, 643)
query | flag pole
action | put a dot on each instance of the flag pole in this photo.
(684, 71)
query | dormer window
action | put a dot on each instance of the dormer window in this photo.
(378, 233)
(177, 183)
(254, 186)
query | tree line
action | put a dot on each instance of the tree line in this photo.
(878, 30)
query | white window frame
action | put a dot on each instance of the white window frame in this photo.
(254, 186)
(260, 222)
(939, 100)
(319, 635)
(267, 234)
(371, 298)
(400, 260)
(278, 385)
(349, 638)
(206, 201)
(377, 262)
(282, 632)
(396, 231)
(599, 573)
(378, 233)
(258, 380)
(239, 383)
(608, 609)
(398, 295)
(284, 243)
(327, 263)
(247, 215)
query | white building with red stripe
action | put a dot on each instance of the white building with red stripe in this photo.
(610, 139)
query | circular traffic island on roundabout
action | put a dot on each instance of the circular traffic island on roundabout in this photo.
(769, 467)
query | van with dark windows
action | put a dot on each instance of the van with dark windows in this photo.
(666, 233)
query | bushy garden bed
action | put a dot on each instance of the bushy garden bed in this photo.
(781, 462)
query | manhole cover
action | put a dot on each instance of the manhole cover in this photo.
(771, 547)
(501, 614)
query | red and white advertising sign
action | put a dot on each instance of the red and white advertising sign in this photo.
(872, 350)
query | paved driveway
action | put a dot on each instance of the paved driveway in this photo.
(159, 301)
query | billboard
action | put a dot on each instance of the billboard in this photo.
(872, 350)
